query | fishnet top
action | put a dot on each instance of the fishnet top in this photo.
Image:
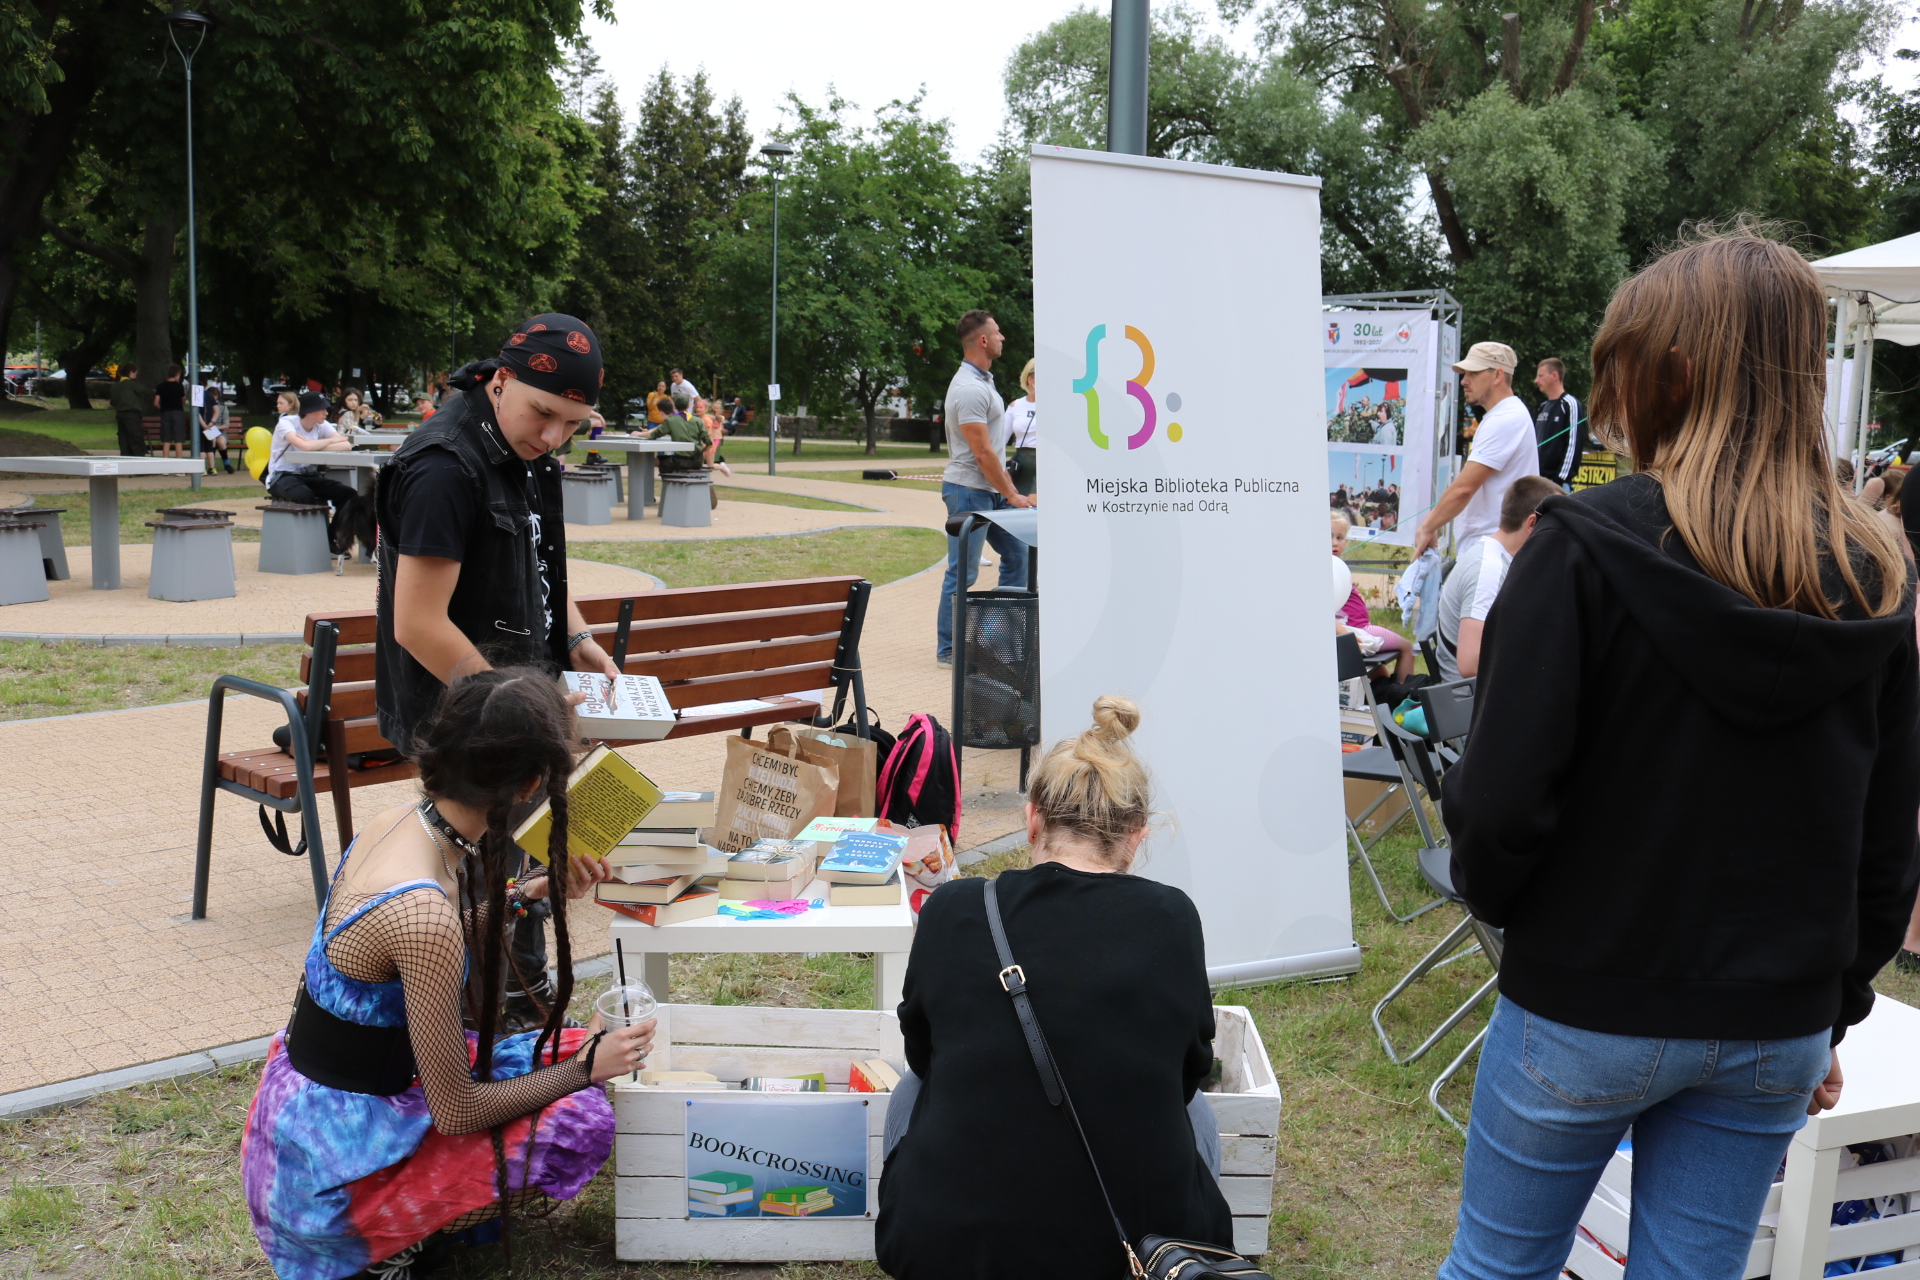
(415, 937)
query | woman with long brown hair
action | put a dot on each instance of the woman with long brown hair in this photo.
(381, 1124)
(1724, 640)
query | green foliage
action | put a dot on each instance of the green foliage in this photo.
(29, 1213)
(1545, 191)
(872, 277)
(667, 193)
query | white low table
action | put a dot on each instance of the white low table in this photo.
(639, 465)
(103, 488)
(885, 931)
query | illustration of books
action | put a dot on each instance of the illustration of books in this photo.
(796, 1202)
(720, 1195)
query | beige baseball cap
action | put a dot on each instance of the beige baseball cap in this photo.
(1488, 355)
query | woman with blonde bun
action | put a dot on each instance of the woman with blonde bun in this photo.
(987, 1179)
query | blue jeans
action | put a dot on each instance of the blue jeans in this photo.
(1711, 1122)
(1013, 553)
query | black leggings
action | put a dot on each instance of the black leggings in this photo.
(296, 487)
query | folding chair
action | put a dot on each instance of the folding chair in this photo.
(1377, 764)
(1449, 710)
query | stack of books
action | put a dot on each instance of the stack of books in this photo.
(661, 863)
(796, 1202)
(771, 870)
(720, 1195)
(863, 869)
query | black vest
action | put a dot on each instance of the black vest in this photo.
(497, 601)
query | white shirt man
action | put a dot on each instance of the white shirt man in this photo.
(681, 387)
(1503, 451)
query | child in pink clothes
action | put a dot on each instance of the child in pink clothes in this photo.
(1354, 613)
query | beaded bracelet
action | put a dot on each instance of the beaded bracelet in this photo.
(516, 898)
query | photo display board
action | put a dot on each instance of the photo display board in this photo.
(1183, 531)
(1380, 418)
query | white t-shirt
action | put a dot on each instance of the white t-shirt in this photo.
(277, 461)
(1505, 443)
(1469, 594)
(685, 388)
(1023, 431)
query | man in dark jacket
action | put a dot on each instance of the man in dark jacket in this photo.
(131, 400)
(473, 557)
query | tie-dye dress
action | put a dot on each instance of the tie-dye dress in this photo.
(336, 1180)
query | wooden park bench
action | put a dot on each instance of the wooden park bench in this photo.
(236, 431)
(782, 643)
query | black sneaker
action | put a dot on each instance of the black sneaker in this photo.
(1907, 961)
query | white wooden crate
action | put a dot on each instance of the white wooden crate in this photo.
(733, 1042)
(1881, 1102)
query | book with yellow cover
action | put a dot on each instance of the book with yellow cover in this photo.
(606, 796)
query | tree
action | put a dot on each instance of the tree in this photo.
(667, 194)
(871, 268)
(380, 169)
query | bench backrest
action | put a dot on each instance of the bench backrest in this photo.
(236, 430)
(704, 644)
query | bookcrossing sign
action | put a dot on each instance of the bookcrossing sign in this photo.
(1184, 527)
(801, 1156)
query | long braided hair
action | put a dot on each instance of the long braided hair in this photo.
(493, 734)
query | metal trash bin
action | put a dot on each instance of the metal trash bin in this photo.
(996, 663)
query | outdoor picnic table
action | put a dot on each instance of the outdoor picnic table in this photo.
(639, 465)
(380, 436)
(103, 486)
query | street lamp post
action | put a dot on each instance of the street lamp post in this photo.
(185, 22)
(1127, 79)
(776, 154)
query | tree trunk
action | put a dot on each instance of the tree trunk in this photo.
(873, 427)
(153, 300)
(74, 364)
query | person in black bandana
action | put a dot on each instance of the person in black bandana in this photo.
(473, 555)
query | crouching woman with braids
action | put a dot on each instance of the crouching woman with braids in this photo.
(380, 1121)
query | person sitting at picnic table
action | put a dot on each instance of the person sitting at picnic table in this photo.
(1116, 968)
(381, 1126)
(716, 431)
(289, 477)
(364, 414)
(675, 425)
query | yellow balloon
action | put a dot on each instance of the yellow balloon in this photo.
(259, 446)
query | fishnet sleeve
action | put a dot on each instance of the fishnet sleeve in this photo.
(417, 937)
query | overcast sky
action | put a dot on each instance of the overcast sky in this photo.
(873, 51)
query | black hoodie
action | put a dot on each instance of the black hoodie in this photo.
(1694, 817)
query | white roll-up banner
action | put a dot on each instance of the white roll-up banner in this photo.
(1183, 530)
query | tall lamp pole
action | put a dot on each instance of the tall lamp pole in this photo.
(193, 26)
(776, 154)
(1127, 80)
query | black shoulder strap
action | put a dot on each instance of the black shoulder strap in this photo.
(1013, 980)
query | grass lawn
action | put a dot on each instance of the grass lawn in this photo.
(880, 555)
(751, 451)
(854, 477)
(82, 428)
(144, 1184)
(730, 493)
(63, 679)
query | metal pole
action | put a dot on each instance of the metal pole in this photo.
(1127, 79)
(1863, 376)
(773, 340)
(193, 265)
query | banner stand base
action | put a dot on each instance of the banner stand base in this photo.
(1313, 964)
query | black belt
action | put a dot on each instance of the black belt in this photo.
(348, 1055)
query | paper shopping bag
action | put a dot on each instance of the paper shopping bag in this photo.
(769, 794)
(853, 757)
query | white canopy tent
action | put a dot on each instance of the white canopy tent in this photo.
(1876, 292)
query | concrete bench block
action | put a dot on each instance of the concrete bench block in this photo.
(588, 495)
(53, 544)
(23, 579)
(293, 538)
(192, 557)
(686, 499)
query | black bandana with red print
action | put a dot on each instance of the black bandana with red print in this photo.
(556, 353)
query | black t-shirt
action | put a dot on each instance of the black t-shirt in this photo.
(435, 506)
(172, 393)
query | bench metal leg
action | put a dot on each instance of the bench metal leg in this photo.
(209, 780)
(339, 781)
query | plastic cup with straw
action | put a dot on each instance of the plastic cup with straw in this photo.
(626, 1005)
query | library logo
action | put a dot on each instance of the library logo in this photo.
(1136, 387)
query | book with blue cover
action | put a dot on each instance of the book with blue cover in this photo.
(863, 857)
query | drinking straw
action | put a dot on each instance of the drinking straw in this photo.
(626, 1011)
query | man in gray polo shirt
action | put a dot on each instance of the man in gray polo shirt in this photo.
(976, 477)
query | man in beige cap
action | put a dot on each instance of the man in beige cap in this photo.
(1503, 451)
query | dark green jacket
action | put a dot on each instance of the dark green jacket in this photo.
(683, 431)
(130, 396)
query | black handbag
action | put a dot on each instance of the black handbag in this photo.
(1155, 1257)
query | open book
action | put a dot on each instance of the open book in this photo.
(606, 796)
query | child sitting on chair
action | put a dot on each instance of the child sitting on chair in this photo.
(1354, 613)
